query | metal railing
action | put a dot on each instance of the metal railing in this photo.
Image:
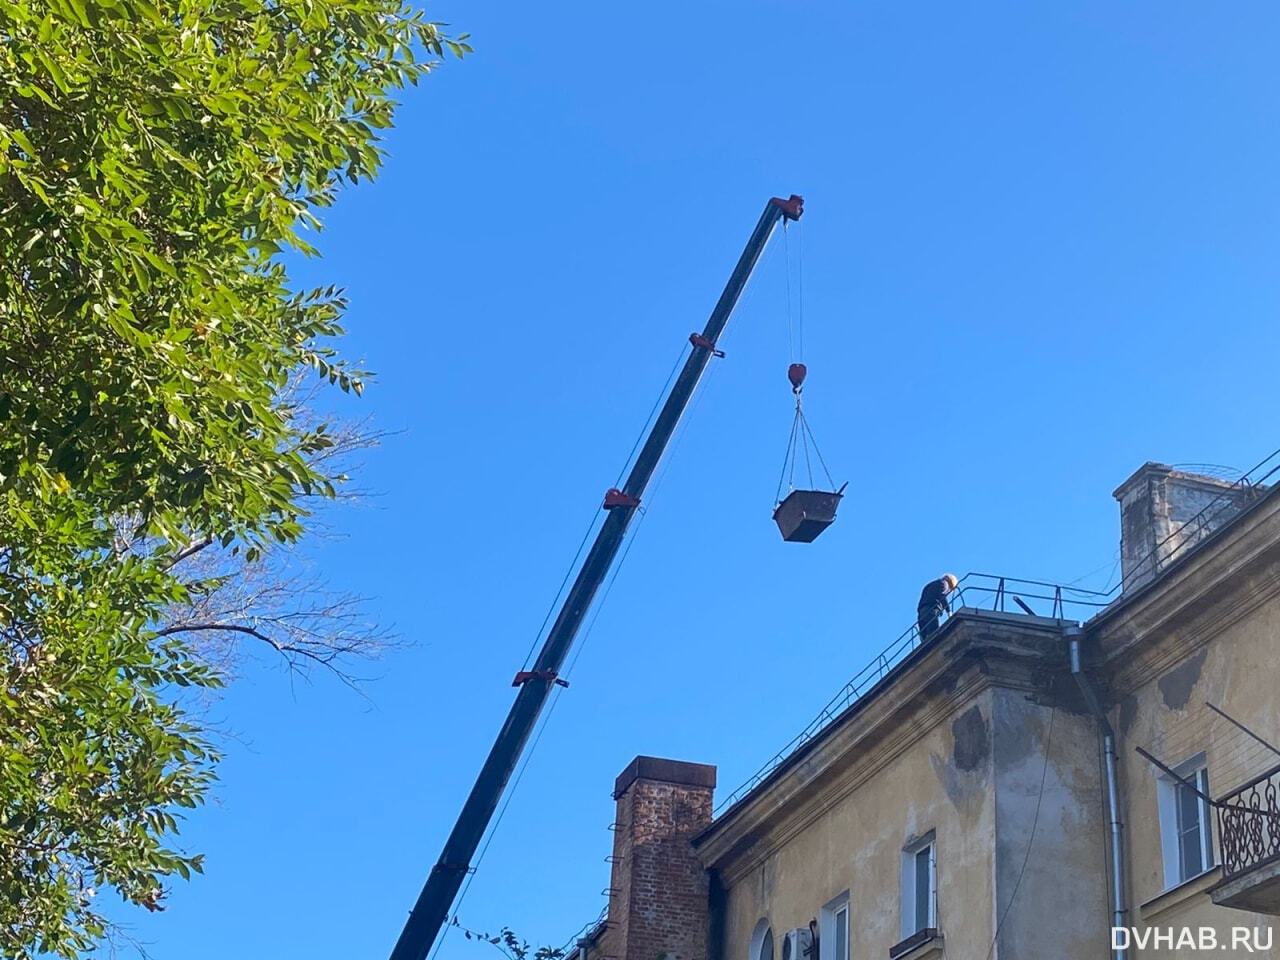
(1214, 515)
(1249, 824)
(974, 591)
(987, 591)
(1063, 602)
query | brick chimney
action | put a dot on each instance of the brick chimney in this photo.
(658, 890)
(1164, 512)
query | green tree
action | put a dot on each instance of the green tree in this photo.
(155, 158)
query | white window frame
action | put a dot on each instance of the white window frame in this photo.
(762, 929)
(830, 918)
(1175, 872)
(907, 900)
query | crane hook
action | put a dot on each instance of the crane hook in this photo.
(796, 373)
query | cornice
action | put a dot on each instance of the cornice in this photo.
(1221, 583)
(979, 650)
(1142, 661)
(734, 864)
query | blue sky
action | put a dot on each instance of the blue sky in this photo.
(1039, 249)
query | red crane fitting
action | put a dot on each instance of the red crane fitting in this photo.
(698, 340)
(796, 373)
(524, 676)
(791, 207)
(614, 498)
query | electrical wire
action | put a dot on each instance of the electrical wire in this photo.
(1035, 820)
(701, 389)
(1190, 543)
(583, 932)
(542, 727)
(598, 607)
(1108, 586)
(644, 428)
(1217, 502)
(595, 518)
(1096, 570)
(573, 564)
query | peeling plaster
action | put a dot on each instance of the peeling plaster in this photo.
(972, 739)
(1128, 712)
(1176, 685)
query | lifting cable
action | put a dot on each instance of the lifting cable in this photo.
(795, 328)
(801, 438)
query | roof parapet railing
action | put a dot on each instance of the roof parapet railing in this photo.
(980, 591)
(988, 591)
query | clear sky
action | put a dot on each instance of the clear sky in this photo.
(1040, 248)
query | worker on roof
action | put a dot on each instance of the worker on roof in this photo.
(933, 604)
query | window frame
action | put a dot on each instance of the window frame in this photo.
(908, 906)
(1169, 797)
(763, 929)
(829, 920)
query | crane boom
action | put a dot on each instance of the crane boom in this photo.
(432, 907)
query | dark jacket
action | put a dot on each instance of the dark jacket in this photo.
(933, 598)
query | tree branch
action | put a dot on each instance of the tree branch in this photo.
(234, 627)
(190, 551)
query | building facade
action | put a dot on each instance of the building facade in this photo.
(1017, 787)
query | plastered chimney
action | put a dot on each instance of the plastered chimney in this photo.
(1163, 512)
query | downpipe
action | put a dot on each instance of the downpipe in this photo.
(1073, 635)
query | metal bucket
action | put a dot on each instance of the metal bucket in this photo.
(806, 513)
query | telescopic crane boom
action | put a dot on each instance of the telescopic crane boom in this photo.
(432, 907)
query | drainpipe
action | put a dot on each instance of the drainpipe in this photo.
(715, 916)
(1073, 635)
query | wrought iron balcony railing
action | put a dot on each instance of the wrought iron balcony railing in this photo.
(1249, 824)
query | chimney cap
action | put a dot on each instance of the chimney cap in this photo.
(665, 771)
(1162, 471)
(1148, 469)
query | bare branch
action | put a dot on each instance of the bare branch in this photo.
(273, 599)
(190, 551)
(277, 601)
(234, 627)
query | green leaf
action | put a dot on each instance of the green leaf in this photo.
(148, 359)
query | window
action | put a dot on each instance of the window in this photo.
(761, 942)
(919, 885)
(1186, 832)
(833, 929)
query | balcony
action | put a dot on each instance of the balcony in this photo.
(1249, 834)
